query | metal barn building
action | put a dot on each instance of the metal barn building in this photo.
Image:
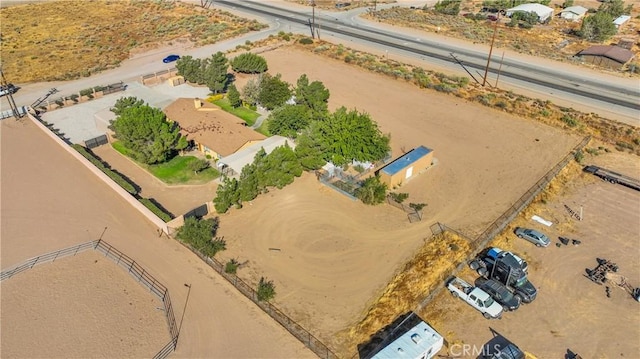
(406, 166)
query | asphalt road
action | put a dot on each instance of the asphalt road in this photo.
(612, 97)
(571, 82)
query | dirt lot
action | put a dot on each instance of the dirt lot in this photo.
(87, 297)
(49, 201)
(571, 312)
(325, 242)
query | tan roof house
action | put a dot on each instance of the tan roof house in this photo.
(214, 132)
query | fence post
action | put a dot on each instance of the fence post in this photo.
(34, 262)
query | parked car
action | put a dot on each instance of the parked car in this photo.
(475, 297)
(533, 236)
(171, 58)
(8, 89)
(500, 293)
(509, 351)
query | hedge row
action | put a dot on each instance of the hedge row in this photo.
(166, 217)
(113, 175)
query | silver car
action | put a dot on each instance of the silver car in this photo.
(533, 236)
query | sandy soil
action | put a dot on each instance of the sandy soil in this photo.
(49, 201)
(571, 312)
(80, 307)
(336, 254)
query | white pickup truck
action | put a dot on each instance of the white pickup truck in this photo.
(475, 297)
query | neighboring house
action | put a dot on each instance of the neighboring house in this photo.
(544, 12)
(621, 20)
(213, 131)
(245, 156)
(613, 57)
(412, 339)
(408, 165)
(573, 13)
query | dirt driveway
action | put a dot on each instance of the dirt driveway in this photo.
(571, 312)
(332, 256)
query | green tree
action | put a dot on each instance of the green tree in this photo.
(615, 8)
(266, 290)
(216, 77)
(190, 69)
(598, 27)
(289, 120)
(251, 91)
(198, 165)
(309, 151)
(274, 92)
(249, 186)
(447, 7)
(345, 136)
(523, 19)
(279, 168)
(124, 103)
(227, 195)
(312, 95)
(249, 63)
(233, 95)
(199, 234)
(372, 191)
(147, 134)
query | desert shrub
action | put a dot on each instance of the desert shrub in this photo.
(570, 121)
(445, 88)
(306, 41)
(166, 217)
(199, 234)
(398, 197)
(578, 156)
(372, 192)
(232, 266)
(266, 290)
(447, 7)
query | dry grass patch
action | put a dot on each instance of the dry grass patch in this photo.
(421, 275)
(64, 40)
(625, 138)
(553, 40)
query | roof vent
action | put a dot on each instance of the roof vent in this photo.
(416, 338)
(400, 350)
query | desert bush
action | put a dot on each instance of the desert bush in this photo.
(569, 120)
(249, 63)
(232, 266)
(306, 41)
(266, 290)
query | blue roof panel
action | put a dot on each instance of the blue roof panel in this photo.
(406, 160)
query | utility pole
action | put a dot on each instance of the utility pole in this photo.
(493, 39)
(313, 17)
(183, 311)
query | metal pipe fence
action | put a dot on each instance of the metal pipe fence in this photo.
(503, 220)
(297, 330)
(134, 269)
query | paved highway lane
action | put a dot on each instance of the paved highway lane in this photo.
(572, 86)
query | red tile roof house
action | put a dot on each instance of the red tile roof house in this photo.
(213, 131)
(610, 56)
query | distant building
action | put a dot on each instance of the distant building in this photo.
(213, 131)
(613, 57)
(621, 20)
(573, 13)
(408, 165)
(411, 339)
(544, 12)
